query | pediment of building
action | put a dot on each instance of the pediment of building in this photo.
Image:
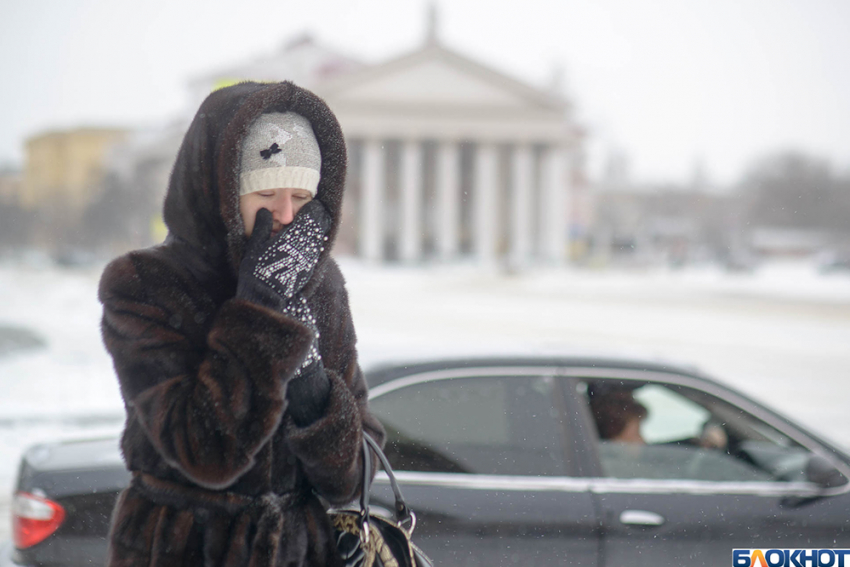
(436, 77)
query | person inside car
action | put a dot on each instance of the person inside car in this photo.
(618, 416)
(713, 436)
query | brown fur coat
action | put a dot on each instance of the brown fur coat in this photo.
(222, 474)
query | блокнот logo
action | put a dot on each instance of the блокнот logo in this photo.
(791, 557)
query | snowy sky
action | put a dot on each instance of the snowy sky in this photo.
(670, 82)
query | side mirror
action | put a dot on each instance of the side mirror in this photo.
(822, 473)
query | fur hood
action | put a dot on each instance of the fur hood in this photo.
(202, 203)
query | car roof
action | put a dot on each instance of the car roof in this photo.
(380, 372)
(73, 454)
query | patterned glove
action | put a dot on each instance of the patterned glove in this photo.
(275, 269)
(297, 308)
(272, 273)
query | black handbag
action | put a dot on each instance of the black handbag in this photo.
(367, 540)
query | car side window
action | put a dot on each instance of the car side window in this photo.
(663, 431)
(500, 425)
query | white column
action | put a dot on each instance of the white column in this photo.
(411, 201)
(448, 199)
(554, 192)
(484, 203)
(520, 213)
(371, 226)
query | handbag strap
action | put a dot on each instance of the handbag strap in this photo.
(404, 516)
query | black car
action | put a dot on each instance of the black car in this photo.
(513, 462)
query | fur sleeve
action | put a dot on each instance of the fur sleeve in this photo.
(206, 384)
(329, 449)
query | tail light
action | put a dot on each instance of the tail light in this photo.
(34, 518)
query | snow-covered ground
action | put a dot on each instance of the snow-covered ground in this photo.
(781, 334)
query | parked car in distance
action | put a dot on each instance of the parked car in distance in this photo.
(516, 461)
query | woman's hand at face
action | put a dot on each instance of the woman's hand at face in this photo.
(284, 262)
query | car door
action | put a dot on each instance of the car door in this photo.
(707, 476)
(485, 459)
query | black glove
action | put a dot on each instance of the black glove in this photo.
(275, 269)
(307, 394)
(309, 388)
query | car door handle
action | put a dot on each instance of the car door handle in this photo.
(641, 518)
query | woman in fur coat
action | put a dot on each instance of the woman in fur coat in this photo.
(234, 345)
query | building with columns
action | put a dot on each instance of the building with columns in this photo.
(451, 159)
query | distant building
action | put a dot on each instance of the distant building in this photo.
(661, 225)
(11, 184)
(66, 167)
(453, 159)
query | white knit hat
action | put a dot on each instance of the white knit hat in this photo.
(280, 152)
